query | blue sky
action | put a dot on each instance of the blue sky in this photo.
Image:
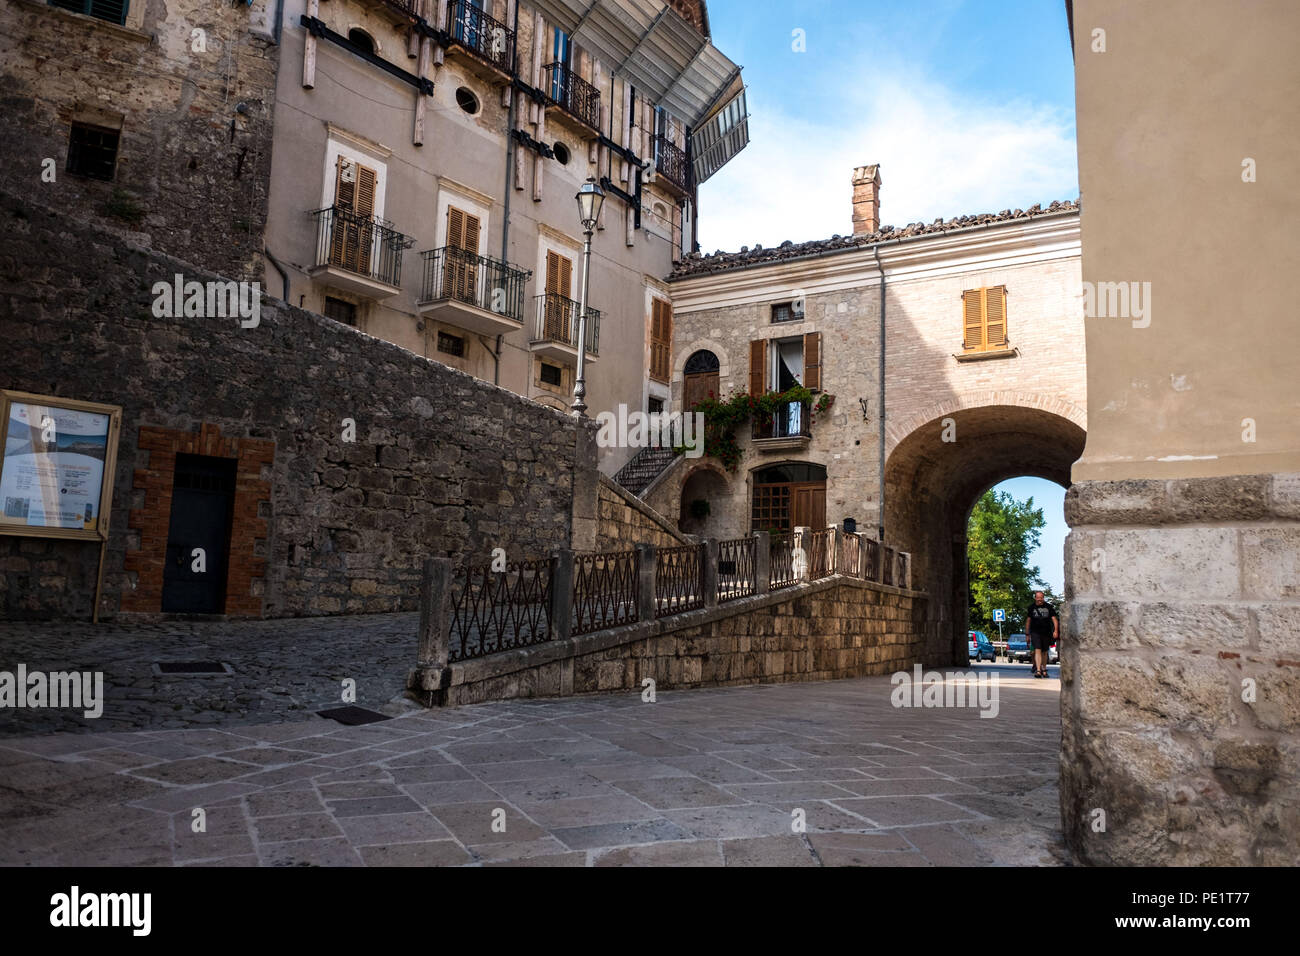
(967, 105)
(1050, 554)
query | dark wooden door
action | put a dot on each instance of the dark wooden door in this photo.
(203, 494)
(699, 386)
(808, 506)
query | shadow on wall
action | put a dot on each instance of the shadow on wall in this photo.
(702, 486)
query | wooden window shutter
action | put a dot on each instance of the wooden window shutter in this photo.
(661, 337)
(365, 202)
(972, 319)
(455, 228)
(812, 361)
(345, 184)
(995, 317)
(757, 366)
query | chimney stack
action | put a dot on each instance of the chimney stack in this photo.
(866, 200)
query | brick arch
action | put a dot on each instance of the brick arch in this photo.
(897, 430)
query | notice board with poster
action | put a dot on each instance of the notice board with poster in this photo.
(56, 474)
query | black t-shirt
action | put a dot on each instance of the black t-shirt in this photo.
(1040, 617)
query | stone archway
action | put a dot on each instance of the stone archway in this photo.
(933, 477)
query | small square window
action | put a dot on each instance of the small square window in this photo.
(92, 151)
(786, 312)
(340, 311)
(451, 344)
(655, 406)
(551, 375)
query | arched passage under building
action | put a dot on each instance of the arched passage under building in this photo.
(936, 473)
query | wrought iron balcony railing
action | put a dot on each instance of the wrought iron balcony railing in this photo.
(485, 37)
(557, 321)
(572, 93)
(365, 245)
(408, 9)
(670, 161)
(488, 284)
(792, 420)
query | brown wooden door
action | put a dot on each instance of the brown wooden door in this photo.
(460, 272)
(697, 387)
(559, 285)
(354, 202)
(808, 505)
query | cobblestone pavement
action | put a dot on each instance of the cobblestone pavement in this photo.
(282, 669)
(701, 777)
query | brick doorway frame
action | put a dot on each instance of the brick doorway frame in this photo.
(151, 521)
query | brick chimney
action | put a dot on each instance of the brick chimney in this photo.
(866, 200)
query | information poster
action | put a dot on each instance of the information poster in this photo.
(56, 457)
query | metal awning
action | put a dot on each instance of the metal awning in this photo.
(666, 59)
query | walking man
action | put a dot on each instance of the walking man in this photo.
(1042, 628)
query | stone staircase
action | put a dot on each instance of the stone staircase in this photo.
(647, 465)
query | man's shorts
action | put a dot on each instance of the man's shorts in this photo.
(1041, 642)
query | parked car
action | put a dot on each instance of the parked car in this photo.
(1018, 650)
(979, 647)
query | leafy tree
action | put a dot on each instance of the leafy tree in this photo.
(1000, 536)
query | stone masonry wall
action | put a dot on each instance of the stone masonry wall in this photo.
(1181, 671)
(194, 112)
(625, 521)
(832, 629)
(442, 464)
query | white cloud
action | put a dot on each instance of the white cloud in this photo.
(941, 154)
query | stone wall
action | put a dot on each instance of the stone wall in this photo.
(626, 521)
(441, 464)
(1181, 671)
(830, 629)
(190, 85)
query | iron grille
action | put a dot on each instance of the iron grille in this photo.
(572, 93)
(782, 571)
(679, 579)
(872, 570)
(495, 611)
(557, 321)
(670, 161)
(361, 244)
(791, 420)
(849, 560)
(820, 559)
(736, 568)
(488, 284)
(484, 36)
(605, 590)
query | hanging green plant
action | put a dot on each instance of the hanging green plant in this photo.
(723, 417)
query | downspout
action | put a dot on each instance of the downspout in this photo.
(284, 276)
(880, 400)
(279, 18)
(510, 162)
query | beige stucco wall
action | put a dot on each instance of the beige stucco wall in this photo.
(1164, 203)
(463, 156)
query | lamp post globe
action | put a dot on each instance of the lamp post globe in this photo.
(590, 198)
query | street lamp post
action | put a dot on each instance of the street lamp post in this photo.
(590, 198)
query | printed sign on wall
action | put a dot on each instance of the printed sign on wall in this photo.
(56, 474)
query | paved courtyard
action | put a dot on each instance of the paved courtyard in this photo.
(702, 777)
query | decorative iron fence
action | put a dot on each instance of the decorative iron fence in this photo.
(736, 568)
(361, 244)
(872, 570)
(495, 611)
(849, 559)
(488, 284)
(670, 161)
(405, 8)
(572, 93)
(481, 34)
(888, 564)
(557, 321)
(792, 420)
(605, 590)
(782, 573)
(820, 558)
(679, 579)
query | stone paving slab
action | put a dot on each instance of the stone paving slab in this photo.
(700, 778)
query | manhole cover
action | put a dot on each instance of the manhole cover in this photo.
(191, 667)
(352, 716)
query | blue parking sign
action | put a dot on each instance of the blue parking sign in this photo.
(999, 616)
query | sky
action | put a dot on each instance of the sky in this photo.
(967, 105)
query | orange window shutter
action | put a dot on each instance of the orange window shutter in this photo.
(552, 273)
(469, 241)
(973, 319)
(566, 277)
(812, 361)
(995, 316)
(366, 180)
(345, 186)
(455, 228)
(757, 366)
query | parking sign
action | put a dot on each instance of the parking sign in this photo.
(999, 616)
